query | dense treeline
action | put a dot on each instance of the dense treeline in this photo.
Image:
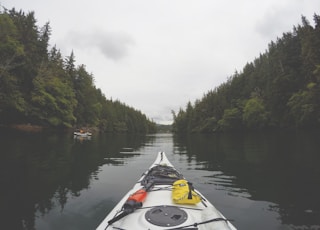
(39, 86)
(279, 89)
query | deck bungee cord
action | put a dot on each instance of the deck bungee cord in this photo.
(159, 174)
(190, 226)
(199, 223)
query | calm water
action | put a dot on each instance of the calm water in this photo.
(261, 181)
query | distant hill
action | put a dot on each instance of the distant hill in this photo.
(164, 128)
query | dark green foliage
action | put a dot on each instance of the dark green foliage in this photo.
(304, 106)
(254, 114)
(52, 99)
(38, 86)
(231, 119)
(279, 89)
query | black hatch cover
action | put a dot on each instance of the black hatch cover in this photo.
(166, 216)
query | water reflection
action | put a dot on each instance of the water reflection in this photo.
(262, 181)
(282, 169)
(82, 138)
(42, 172)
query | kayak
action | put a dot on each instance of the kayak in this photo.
(163, 199)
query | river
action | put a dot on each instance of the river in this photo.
(260, 181)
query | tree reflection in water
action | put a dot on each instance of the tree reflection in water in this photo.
(41, 171)
(281, 168)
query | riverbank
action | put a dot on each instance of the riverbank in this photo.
(27, 127)
(38, 128)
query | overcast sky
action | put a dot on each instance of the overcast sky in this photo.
(156, 55)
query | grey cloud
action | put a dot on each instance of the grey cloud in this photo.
(113, 45)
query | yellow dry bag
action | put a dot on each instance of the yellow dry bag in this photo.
(183, 193)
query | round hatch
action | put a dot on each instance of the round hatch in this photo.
(166, 216)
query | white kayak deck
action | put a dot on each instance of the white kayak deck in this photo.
(160, 212)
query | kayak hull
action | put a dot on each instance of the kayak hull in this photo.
(158, 210)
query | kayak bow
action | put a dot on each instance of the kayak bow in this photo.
(150, 204)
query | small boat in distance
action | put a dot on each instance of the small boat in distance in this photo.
(163, 199)
(82, 133)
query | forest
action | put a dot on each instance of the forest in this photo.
(280, 89)
(39, 86)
